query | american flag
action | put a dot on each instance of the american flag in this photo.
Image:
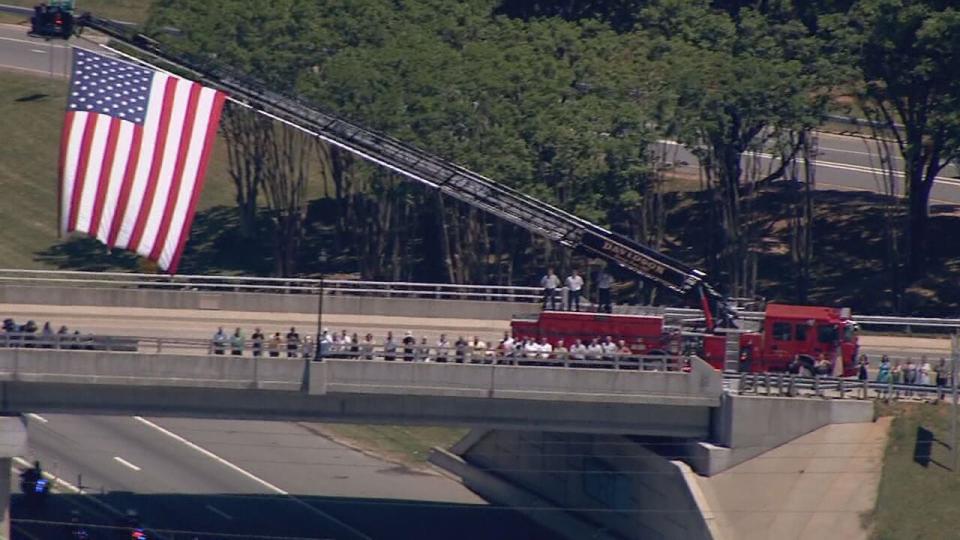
(134, 151)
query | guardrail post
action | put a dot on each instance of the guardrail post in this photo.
(866, 390)
(890, 387)
(159, 345)
(792, 385)
(841, 388)
(780, 383)
(816, 384)
(741, 384)
(766, 383)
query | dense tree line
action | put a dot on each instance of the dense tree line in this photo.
(571, 102)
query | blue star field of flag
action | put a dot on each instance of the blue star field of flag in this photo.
(108, 86)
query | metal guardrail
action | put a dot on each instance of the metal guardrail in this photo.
(788, 385)
(363, 350)
(393, 289)
(270, 285)
(89, 342)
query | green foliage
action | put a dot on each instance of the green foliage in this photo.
(908, 55)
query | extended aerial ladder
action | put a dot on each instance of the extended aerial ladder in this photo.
(447, 177)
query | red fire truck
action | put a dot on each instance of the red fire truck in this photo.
(788, 337)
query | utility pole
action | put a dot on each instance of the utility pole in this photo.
(954, 353)
(318, 346)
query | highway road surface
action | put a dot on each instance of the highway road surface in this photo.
(250, 478)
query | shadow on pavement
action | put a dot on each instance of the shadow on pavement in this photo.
(221, 516)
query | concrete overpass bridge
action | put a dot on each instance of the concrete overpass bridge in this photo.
(654, 403)
(516, 410)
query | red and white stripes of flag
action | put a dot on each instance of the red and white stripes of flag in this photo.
(134, 152)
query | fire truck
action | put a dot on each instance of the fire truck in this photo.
(786, 338)
(784, 335)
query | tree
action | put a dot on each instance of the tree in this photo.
(741, 84)
(908, 52)
(289, 154)
(247, 136)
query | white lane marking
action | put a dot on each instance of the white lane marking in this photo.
(16, 40)
(841, 187)
(219, 512)
(37, 417)
(250, 475)
(824, 149)
(126, 463)
(833, 165)
(41, 51)
(211, 455)
(56, 480)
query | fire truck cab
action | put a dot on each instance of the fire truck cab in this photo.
(796, 337)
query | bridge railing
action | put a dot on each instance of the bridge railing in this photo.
(360, 351)
(334, 287)
(270, 285)
(789, 385)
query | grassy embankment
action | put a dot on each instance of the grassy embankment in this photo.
(917, 497)
(33, 106)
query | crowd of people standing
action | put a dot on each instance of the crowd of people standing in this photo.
(409, 348)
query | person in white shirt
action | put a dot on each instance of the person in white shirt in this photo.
(550, 282)
(594, 350)
(574, 287)
(609, 349)
(531, 350)
(578, 350)
(443, 348)
(478, 350)
(545, 349)
(560, 352)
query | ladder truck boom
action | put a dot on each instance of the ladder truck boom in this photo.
(449, 178)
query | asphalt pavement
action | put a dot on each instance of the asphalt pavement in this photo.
(213, 477)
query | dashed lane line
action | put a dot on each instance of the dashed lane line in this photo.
(126, 463)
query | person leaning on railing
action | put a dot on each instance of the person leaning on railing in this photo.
(256, 342)
(274, 345)
(237, 342)
(219, 342)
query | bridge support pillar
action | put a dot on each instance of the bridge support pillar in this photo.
(13, 442)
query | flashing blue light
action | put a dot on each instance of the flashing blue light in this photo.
(40, 486)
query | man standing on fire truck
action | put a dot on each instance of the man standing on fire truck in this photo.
(550, 282)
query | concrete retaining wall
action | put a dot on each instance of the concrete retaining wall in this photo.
(100, 367)
(747, 426)
(83, 382)
(701, 388)
(262, 302)
(621, 487)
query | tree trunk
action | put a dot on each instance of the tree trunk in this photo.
(919, 218)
